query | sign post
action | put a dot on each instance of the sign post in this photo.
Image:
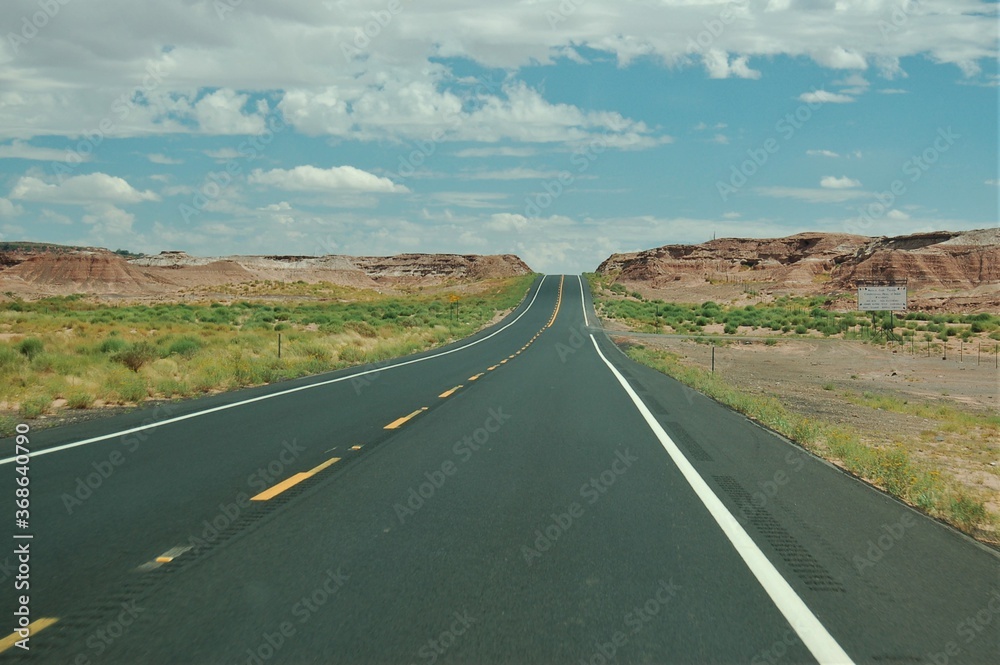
(882, 296)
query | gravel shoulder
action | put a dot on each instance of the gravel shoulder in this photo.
(819, 378)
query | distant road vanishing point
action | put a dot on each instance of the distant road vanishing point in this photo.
(526, 495)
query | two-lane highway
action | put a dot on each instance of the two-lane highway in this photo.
(538, 498)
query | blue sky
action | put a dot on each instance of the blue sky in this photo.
(561, 131)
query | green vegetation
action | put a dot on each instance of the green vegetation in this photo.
(91, 354)
(784, 315)
(888, 467)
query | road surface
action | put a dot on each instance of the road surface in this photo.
(527, 495)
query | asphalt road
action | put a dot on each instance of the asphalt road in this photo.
(566, 505)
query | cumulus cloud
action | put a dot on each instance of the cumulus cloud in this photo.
(813, 195)
(8, 209)
(81, 189)
(158, 158)
(719, 65)
(23, 150)
(843, 182)
(898, 215)
(313, 179)
(825, 97)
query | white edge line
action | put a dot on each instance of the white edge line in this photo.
(809, 629)
(583, 301)
(261, 398)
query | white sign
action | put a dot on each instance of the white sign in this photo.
(881, 298)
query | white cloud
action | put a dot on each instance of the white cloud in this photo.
(469, 199)
(312, 179)
(897, 215)
(721, 139)
(22, 150)
(81, 189)
(824, 97)
(719, 66)
(813, 195)
(222, 153)
(822, 153)
(833, 182)
(497, 152)
(514, 174)
(992, 181)
(8, 209)
(158, 158)
(892, 91)
(837, 57)
(109, 221)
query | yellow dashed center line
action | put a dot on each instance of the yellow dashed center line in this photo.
(33, 629)
(490, 369)
(449, 393)
(398, 422)
(473, 378)
(355, 447)
(281, 487)
(272, 492)
(316, 469)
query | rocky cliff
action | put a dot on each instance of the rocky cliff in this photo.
(28, 270)
(941, 267)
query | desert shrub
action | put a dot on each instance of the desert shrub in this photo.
(35, 405)
(136, 355)
(185, 346)
(30, 347)
(362, 328)
(9, 359)
(79, 399)
(126, 387)
(112, 345)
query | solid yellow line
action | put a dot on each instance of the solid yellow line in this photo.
(316, 469)
(395, 424)
(448, 393)
(281, 487)
(272, 492)
(558, 303)
(473, 378)
(34, 627)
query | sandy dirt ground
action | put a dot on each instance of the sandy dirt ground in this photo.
(813, 378)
